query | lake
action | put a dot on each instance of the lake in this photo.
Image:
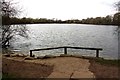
(78, 35)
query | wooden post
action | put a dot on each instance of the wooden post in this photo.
(65, 50)
(97, 53)
(30, 53)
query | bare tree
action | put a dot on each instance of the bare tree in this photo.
(118, 8)
(116, 18)
(9, 31)
(117, 5)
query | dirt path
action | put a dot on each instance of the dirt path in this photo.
(60, 67)
(68, 67)
(0, 65)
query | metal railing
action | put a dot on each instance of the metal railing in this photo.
(65, 49)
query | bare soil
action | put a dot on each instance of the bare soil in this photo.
(21, 69)
(104, 71)
(41, 68)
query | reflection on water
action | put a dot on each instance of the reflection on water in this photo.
(55, 35)
(119, 42)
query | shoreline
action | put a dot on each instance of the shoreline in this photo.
(98, 69)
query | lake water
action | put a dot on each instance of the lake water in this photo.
(78, 35)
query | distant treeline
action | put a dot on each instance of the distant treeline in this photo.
(108, 20)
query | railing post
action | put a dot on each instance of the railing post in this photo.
(30, 53)
(97, 53)
(65, 50)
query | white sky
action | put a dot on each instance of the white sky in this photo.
(67, 9)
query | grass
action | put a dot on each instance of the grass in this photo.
(7, 77)
(105, 62)
(102, 61)
(108, 62)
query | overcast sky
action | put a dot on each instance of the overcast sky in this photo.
(67, 9)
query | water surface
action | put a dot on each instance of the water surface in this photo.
(79, 35)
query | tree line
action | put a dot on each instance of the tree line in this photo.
(108, 20)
